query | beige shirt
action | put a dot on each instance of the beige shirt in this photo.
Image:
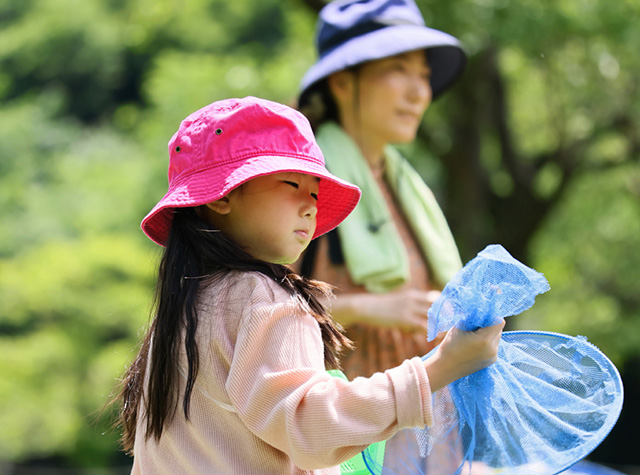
(263, 402)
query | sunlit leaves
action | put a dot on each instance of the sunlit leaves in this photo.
(70, 315)
(589, 252)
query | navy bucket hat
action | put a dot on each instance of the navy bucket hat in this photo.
(351, 32)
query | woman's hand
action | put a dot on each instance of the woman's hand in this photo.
(405, 309)
(462, 353)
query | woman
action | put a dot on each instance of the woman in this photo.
(378, 70)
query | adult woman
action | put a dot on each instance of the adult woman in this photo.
(379, 68)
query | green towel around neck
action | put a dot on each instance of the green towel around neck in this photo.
(371, 244)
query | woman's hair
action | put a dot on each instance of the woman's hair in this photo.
(318, 104)
(194, 251)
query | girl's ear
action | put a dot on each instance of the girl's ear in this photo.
(220, 206)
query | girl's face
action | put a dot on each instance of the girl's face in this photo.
(272, 217)
(387, 98)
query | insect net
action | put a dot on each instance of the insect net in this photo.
(546, 403)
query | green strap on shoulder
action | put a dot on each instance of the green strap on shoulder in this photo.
(357, 465)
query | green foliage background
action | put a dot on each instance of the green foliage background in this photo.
(545, 119)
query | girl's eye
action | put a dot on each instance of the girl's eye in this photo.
(297, 186)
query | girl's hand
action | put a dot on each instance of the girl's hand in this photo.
(462, 353)
(406, 309)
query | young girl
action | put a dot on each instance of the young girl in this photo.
(231, 377)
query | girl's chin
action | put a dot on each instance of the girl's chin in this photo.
(284, 260)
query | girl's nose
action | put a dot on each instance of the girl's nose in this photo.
(310, 208)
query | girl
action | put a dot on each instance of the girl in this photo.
(231, 374)
(379, 67)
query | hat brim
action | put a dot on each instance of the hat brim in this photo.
(446, 56)
(336, 197)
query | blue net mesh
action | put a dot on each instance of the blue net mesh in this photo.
(547, 402)
(490, 287)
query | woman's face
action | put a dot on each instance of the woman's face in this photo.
(389, 97)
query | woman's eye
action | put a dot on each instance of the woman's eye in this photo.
(314, 196)
(292, 183)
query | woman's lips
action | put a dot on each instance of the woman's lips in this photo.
(409, 115)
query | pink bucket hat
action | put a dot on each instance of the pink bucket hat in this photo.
(229, 142)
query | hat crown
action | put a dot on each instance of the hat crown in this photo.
(235, 130)
(341, 21)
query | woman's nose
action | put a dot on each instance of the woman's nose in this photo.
(420, 89)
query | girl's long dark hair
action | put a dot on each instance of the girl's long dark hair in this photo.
(195, 250)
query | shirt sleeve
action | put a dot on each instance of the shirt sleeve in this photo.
(278, 384)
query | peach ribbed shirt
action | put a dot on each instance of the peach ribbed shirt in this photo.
(263, 403)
